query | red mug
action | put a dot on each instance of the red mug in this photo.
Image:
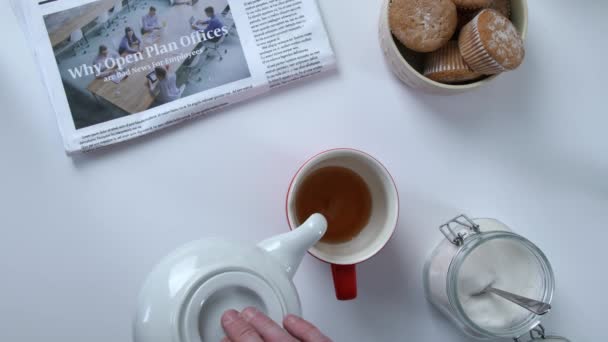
(343, 257)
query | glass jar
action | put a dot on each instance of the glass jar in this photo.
(477, 254)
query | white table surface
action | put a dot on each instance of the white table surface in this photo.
(78, 235)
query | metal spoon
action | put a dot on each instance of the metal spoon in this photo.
(534, 306)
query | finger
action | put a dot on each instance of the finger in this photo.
(226, 339)
(237, 329)
(270, 331)
(303, 330)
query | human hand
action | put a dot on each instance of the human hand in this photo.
(253, 326)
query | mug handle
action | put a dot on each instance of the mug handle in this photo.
(345, 281)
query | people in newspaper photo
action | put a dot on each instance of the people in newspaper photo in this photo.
(118, 58)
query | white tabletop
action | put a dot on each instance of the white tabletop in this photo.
(80, 234)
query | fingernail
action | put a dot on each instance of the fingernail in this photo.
(229, 316)
(291, 319)
(249, 313)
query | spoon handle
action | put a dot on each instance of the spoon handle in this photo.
(535, 306)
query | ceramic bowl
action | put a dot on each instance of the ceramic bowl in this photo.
(408, 64)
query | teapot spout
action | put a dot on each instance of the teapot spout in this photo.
(289, 248)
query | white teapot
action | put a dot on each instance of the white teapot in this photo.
(184, 297)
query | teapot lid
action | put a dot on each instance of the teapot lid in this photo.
(202, 310)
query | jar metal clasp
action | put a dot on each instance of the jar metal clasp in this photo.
(458, 229)
(538, 334)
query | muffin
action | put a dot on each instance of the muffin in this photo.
(466, 14)
(502, 6)
(446, 65)
(423, 25)
(490, 44)
(472, 4)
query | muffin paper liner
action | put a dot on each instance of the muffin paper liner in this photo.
(474, 52)
(448, 59)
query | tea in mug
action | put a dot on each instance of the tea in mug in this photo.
(341, 195)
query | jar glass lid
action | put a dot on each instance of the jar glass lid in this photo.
(505, 261)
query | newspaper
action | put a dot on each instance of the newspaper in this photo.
(119, 69)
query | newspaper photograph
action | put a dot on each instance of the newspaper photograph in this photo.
(118, 69)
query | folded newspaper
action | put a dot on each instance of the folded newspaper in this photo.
(118, 69)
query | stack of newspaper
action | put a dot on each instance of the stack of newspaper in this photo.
(118, 69)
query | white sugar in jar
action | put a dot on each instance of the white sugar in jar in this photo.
(480, 253)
